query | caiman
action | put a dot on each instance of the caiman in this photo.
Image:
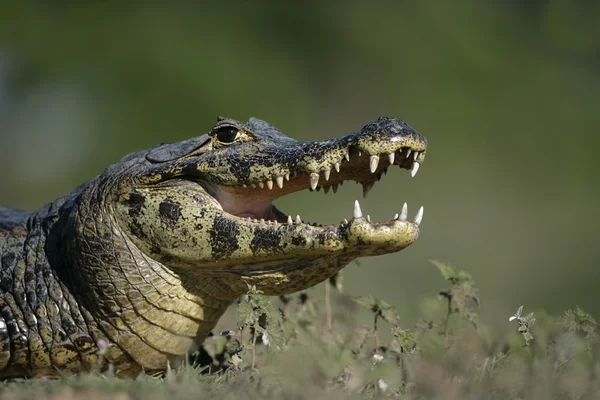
(142, 260)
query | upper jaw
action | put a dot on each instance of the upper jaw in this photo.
(271, 162)
(273, 170)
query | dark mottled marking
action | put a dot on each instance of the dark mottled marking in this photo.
(169, 213)
(6, 284)
(299, 240)
(265, 239)
(223, 237)
(135, 203)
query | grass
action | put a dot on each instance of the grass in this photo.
(309, 347)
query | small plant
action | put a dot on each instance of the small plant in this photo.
(258, 315)
(525, 324)
(298, 352)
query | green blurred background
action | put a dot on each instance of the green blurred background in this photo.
(507, 94)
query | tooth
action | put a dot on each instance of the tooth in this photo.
(326, 189)
(326, 174)
(345, 221)
(244, 185)
(335, 187)
(253, 185)
(298, 220)
(262, 220)
(373, 163)
(337, 166)
(357, 211)
(395, 216)
(392, 157)
(415, 155)
(314, 180)
(408, 153)
(419, 217)
(360, 153)
(368, 218)
(415, 168)
(290, 221)
(287, 176)
(404, 212)
(347, 155)
(270, 184)
(276, 223)
(261, 185)
(367, 186)
(279, 180)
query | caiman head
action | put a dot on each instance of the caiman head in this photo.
(166, 239)
(206, 204)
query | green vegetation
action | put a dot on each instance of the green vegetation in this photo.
(290, 352)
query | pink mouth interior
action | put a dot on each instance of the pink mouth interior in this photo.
(257, 203)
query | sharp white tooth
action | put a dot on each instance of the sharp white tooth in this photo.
(415, 155)
(326, 174)
(392, 157)
(326, 189)
(357, 210)
(404, 212)
(415, 168)
(314, 180)
(368, 218)
(244, 185)
(298, 220)
(337, 166)
(279, 180)
(345, 221)
(253, 185)
(261, 185)
(347, 155)
(287, 176)
(367, 186)
(262, 220)
(373, 163)
(408, 153)
(396, 216)
(276, 223)
(419, 217)
(270, 184)
(335, 187)
(290, 220)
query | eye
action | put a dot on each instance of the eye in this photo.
(227, 134)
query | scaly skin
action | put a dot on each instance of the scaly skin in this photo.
(148, 255)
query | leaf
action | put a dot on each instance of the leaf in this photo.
(447, 271)
(390, 315)
(405, 338)
(369, 302)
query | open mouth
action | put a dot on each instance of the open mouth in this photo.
(252, 200)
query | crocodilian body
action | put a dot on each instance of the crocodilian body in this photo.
(148, 255)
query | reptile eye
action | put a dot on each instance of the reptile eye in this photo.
(227, 134)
